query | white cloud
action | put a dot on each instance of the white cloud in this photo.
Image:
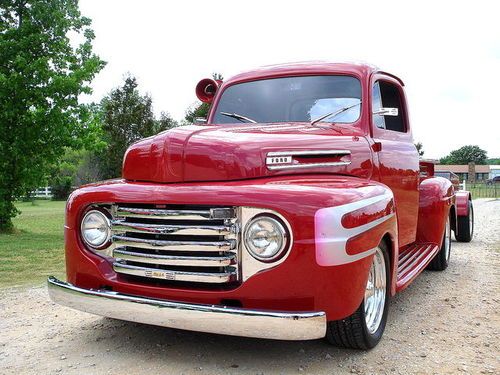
(446, 52)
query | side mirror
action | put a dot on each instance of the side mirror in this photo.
(200, 121)
(386, 112)
(206, 89)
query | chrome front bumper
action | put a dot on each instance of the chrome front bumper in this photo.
(192, 317)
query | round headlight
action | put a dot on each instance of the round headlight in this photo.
(95, 228)
(265, 238)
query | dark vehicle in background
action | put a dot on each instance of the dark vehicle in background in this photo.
(494, 180)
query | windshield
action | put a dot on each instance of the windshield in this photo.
(290, 99)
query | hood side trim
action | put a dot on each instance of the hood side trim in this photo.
(285, 159)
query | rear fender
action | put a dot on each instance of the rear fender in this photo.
(436, 199)
(462, 198)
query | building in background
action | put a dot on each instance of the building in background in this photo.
(470, 173)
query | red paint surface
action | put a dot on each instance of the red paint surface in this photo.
(462, 202)
(436, 198)
(316, 287)
(368, 214)
(225, 165)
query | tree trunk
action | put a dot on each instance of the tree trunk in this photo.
(7, 212)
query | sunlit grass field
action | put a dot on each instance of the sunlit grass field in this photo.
(36, 248)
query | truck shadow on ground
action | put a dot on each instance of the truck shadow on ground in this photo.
(197, 351)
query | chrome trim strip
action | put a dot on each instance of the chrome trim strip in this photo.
(163, 214)
(278, 325)
(309, 152)
(213, 213)
(174, 260)
(286, 161)
(155, 273)
(119, 240)
(309, 165)
(196, 230)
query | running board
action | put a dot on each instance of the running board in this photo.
(412, 261)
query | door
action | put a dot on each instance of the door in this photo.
(397, 155)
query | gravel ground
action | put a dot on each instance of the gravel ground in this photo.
(445, 322)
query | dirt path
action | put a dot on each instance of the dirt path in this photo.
(443, 323)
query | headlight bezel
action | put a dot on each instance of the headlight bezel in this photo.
(107, 240)
(279, 223)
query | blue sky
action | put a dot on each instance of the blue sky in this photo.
(447, 52)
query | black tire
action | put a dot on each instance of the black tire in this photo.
(352, 332)
(465, 226)
(442, 258)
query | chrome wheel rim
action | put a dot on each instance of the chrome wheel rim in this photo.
(375, 291)
(447, 240)
(471, 221)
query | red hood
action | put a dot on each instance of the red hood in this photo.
(222, 153)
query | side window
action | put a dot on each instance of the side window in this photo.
(386, 95)
(378, 120)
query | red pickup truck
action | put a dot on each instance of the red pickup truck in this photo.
(293, 212)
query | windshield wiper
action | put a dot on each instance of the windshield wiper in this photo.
(333, 114)
(239, 117)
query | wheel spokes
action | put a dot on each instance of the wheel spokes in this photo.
(375, 292)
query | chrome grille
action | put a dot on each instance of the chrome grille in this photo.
(187, 244)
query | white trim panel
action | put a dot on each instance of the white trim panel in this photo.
(331, 236)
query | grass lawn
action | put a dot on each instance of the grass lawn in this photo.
(36, 249)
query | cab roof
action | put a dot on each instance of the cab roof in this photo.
(309, 68)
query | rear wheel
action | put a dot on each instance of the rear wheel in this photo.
(442, 258)
(364, 328)
(465, 226)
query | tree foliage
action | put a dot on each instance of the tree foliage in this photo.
(74, 168)
(199, 109)
(493, 161)
(127, 116)
(420, 148)
(465, 155)
(42, 73)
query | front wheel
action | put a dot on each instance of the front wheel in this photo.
(364, 328)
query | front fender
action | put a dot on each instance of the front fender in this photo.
(336, 222)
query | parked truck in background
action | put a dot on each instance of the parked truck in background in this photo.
(293, 212)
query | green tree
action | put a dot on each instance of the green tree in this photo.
(127, 116)
(199, 109)
(465, 155)
(74, 168)
(42, 74)
(420, 148)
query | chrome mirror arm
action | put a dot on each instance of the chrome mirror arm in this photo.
(386, 112)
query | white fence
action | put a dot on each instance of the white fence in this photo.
(43, 192)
